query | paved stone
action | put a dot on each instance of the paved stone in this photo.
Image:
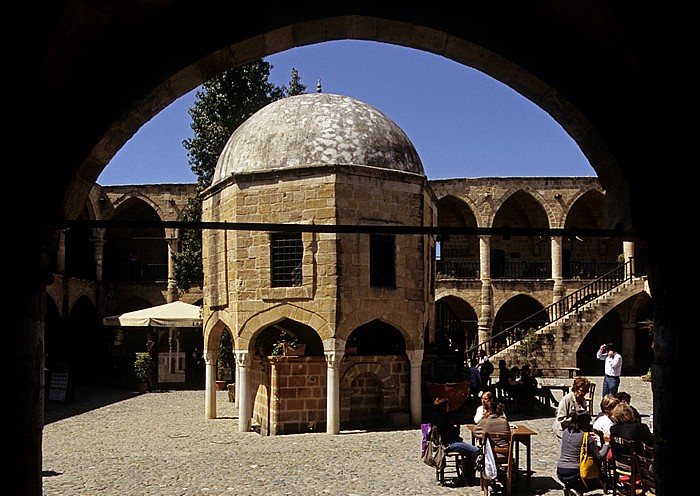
(161, 444)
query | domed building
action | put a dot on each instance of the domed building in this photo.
(359, 300)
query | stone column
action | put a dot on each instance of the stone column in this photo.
(415, 357)
(172, 287)
(486, 316)
(557, 273)
(245, 407)
(628, 253)
(628, 345)
(334, 351)
(210, 357)
(61, 253)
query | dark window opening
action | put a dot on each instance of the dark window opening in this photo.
(381, 261)
(287, 252)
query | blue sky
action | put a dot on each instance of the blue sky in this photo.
(462, 122)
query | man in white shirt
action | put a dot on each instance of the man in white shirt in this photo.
(613, 368)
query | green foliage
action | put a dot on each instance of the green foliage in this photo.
(226, 358)
(277, 349)
(295, 85)
(188, 261)
(144, 367)
(224, 103)
(528, 342)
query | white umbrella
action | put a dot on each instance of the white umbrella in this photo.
(175, 314)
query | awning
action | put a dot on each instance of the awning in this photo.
(175, 314)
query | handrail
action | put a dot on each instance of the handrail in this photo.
(558, 309)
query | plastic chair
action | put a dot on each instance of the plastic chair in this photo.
(505, 461)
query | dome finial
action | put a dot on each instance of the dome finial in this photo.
(318, 86)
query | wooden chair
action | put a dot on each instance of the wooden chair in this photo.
(505, 461)
(625, 473)
(504, 396)
(606, 468)
(645, 464)
(453, 468)
(590, 395)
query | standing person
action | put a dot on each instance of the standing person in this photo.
(475, 378)
(485, 369)
(613, 368)
(450, 436)
(572, 403)
(568, 466)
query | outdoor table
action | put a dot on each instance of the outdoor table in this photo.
(521, 435)
(570, 370)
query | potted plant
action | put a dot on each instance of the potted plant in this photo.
(144, 367)
(224, 364)
(288, 346)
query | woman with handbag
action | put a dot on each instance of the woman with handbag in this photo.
(450, 436)
(580, 451)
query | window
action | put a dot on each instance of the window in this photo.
(286, 251)
(381, 261)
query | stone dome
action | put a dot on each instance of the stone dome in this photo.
(316, 130)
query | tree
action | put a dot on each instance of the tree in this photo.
(295, 86)
(223, 104)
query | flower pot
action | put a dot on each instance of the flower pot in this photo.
(221, 385)
(293, 349)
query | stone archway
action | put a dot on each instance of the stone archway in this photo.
(602, 61)
(368, 392)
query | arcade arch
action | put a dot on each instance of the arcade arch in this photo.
(624, 60)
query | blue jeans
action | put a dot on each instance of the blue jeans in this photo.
(463, 448)
(610, 385)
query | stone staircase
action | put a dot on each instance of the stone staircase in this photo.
(554, 346)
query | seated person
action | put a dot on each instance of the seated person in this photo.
(487, 397)
(605, 419)
(493, 421)
(450, 436)
(627, 427)
(532, 392)
(626, 398)
(568, 466)
(514, 386)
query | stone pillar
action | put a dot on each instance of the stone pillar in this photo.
(29, 275)
(210, 357)
(486, 316)
(415, 357)
(99, 250)
(557, 273)
(334, 351)
(172, 287)
(628, 345)
(61, 251)
(628, 253)
(245, 407)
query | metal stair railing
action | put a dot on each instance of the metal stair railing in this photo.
(556, 311)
